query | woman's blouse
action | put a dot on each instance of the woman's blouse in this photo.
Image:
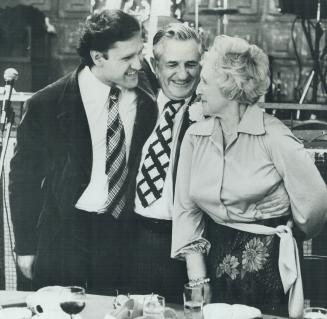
(226, 183)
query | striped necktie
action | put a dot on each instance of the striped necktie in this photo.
(151, 178)
(116, 166)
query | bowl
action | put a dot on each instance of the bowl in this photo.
(315, 313)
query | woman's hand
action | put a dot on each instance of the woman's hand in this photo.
(196, 267)
(197, 270)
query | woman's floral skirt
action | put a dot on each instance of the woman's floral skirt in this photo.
(243, 267)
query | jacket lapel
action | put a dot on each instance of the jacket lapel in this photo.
(73, 123)
(185, 124)
(145, 119)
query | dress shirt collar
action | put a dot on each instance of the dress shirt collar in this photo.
(251, 123)
(163, 99)
(97, 89)
(143, 85)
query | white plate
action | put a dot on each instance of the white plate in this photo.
(54, 315)
(46, 298)
(227, 311)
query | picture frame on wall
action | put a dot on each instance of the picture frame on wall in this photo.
(141, 9)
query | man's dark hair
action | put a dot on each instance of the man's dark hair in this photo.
(101, 30)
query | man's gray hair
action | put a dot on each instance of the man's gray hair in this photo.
(176, 31)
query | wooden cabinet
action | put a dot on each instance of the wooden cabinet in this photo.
(74, 8)
(43, 5)
(40, 56)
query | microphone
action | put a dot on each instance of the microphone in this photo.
(10, 76)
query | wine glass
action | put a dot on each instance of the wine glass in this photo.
(72, 300)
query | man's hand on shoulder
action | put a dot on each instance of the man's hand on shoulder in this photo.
(25, 264)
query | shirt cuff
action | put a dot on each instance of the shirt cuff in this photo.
(201, 246)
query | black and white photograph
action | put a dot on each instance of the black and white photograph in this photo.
(163, 159)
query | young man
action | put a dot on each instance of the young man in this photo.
(77, 153)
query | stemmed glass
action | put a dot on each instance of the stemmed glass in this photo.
(72, 300)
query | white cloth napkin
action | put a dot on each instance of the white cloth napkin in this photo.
(288, 262)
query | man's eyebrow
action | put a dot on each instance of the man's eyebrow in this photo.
(185, 62)
(133, 53)
(127, 56)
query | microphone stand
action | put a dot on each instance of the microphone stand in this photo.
(316, 72)
(6, 122)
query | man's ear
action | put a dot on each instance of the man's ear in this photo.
(97, 57)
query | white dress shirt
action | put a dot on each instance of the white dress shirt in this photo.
(95, 95)
(162, 207)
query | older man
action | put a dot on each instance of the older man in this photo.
(177, 51)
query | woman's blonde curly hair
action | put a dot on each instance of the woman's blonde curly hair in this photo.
(242, 69)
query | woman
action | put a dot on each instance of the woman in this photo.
(228, 162)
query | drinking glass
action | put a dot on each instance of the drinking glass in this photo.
(72, 300)
(154, 307)
(315, 313)
(193, 301)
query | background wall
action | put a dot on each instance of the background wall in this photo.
(51, 55)
(260, 22)
(45, 52)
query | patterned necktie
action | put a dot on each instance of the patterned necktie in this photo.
(153, 172)
(116, 168)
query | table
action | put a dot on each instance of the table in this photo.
(96, 306)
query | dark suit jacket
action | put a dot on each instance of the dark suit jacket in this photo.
(52, 163)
